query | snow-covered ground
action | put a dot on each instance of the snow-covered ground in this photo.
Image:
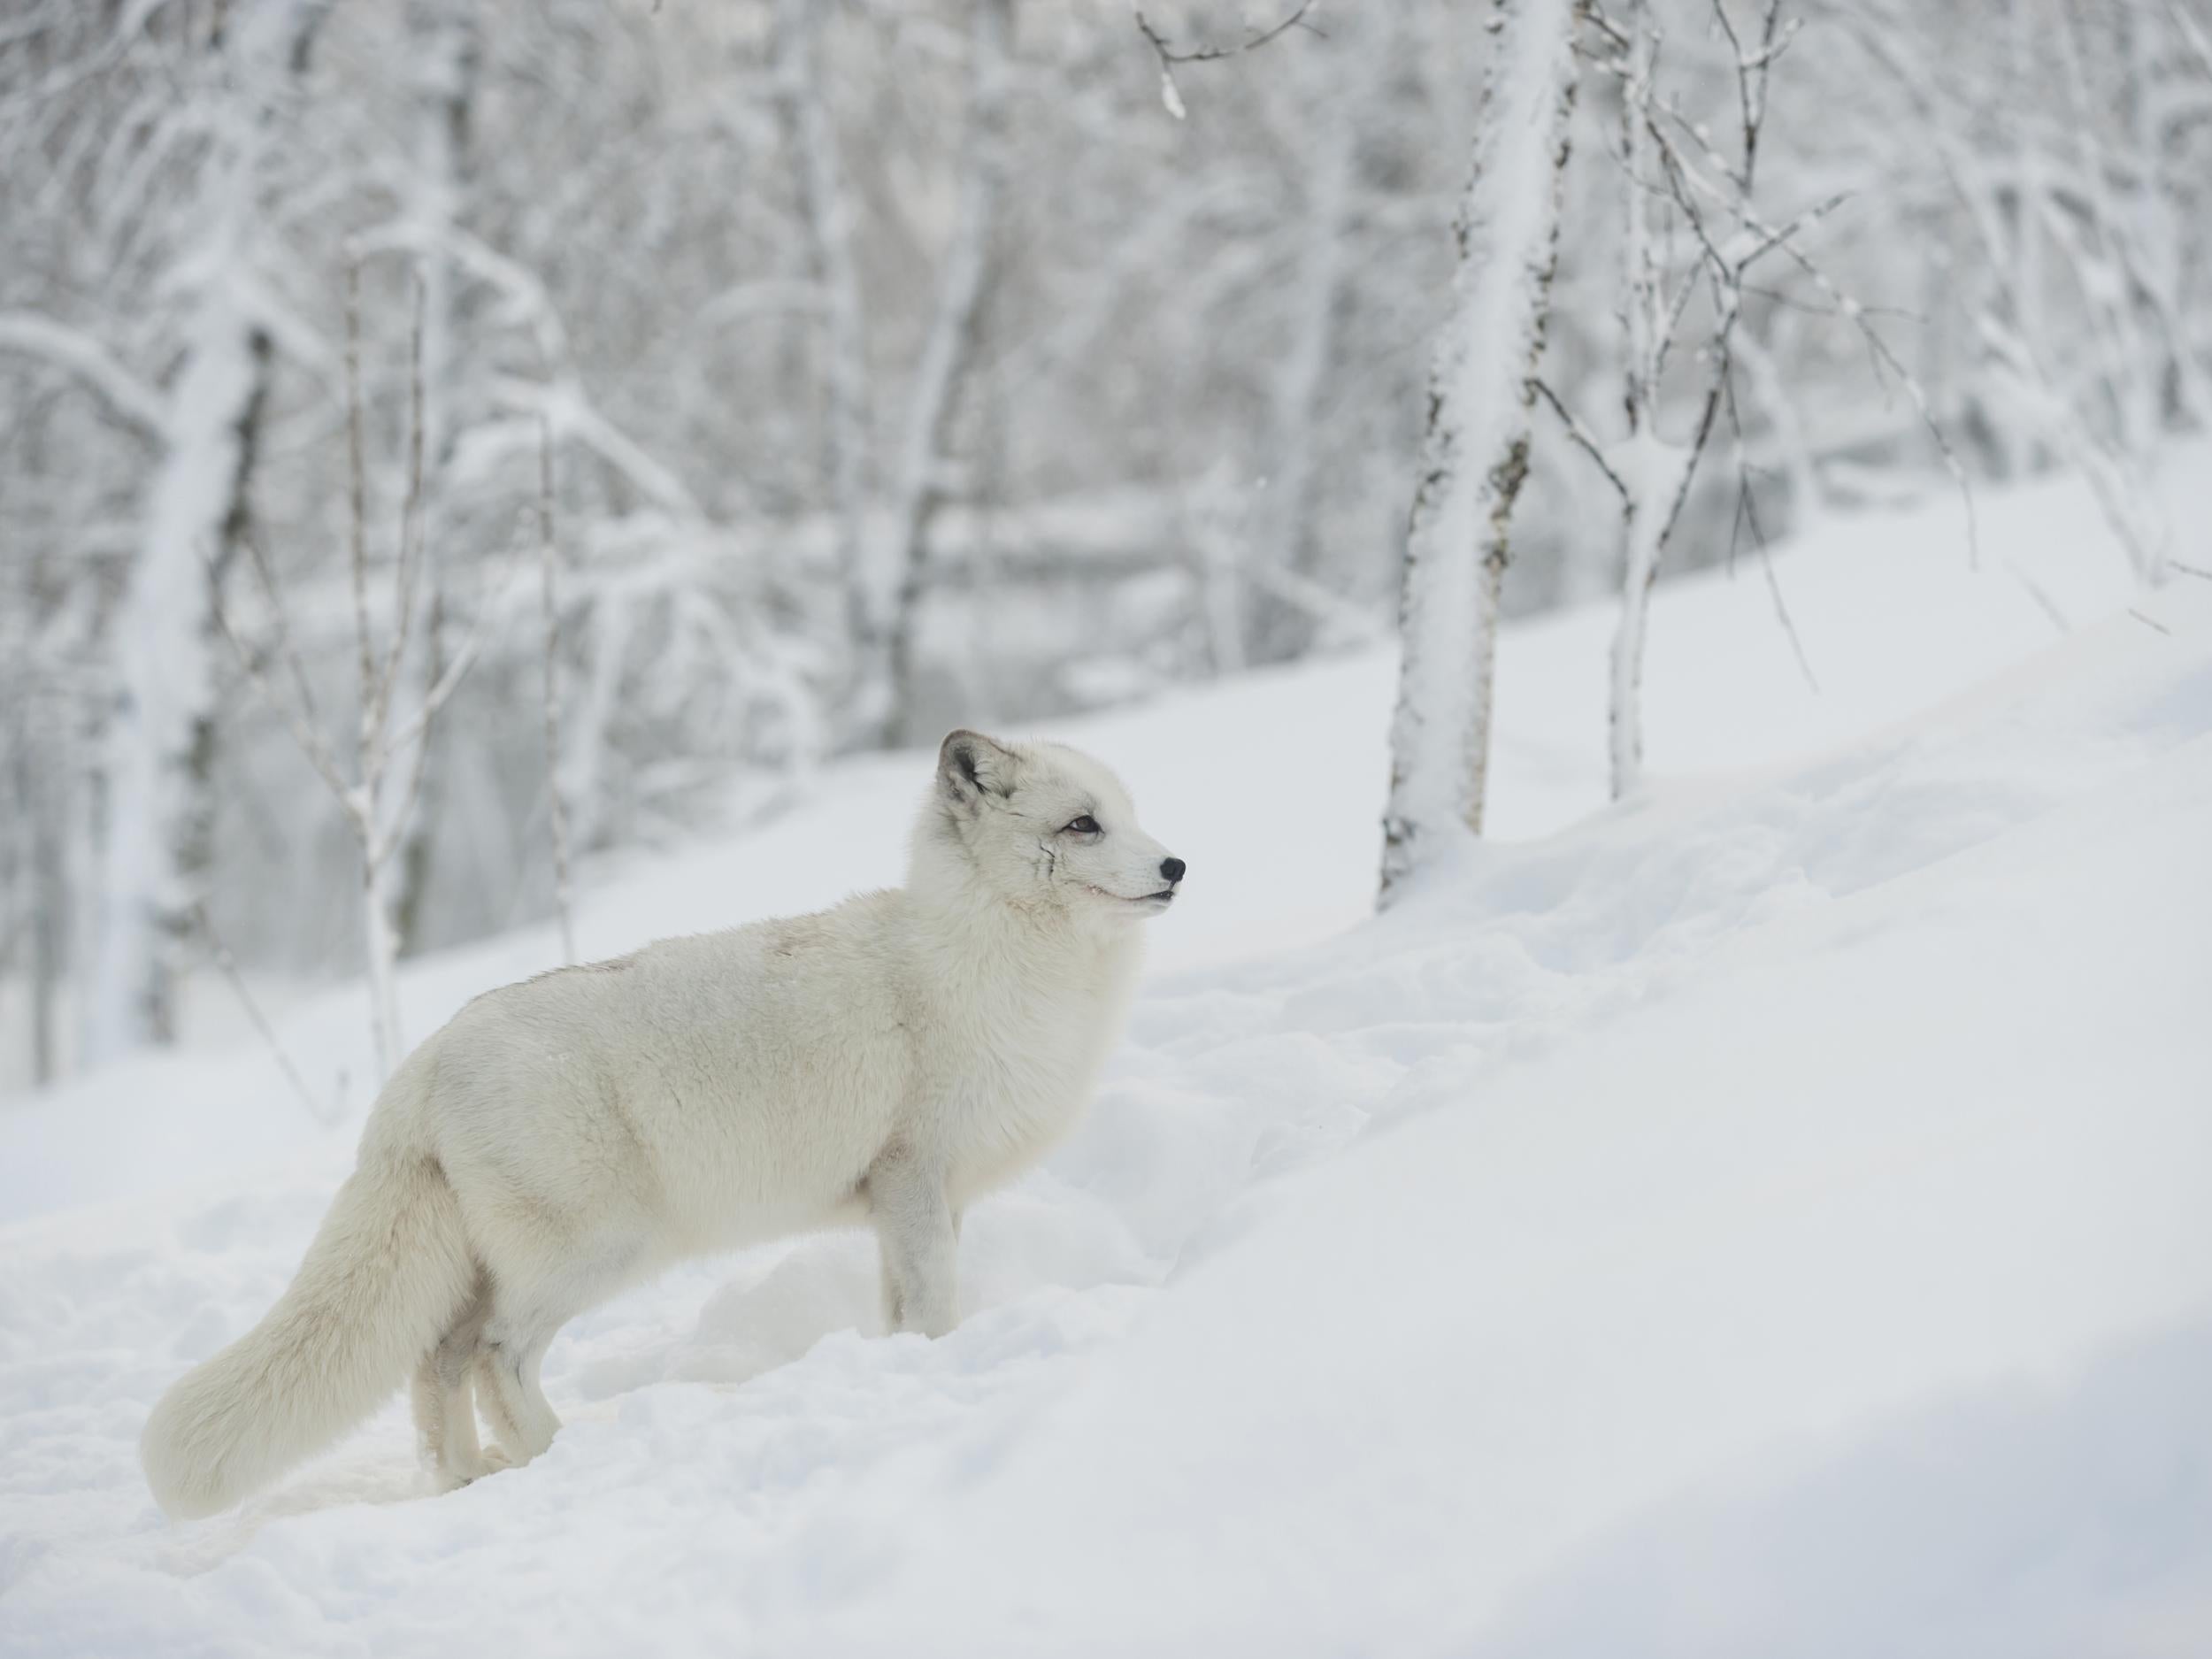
(1773, 1218)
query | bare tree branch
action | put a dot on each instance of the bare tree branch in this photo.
(1677, 181)
(285, 640)
(309, 738)
(1688, 181)
(228, 966)
(1854, 313)
(456, 670)
(1171, 94)
(557, 810)
(1615, 35)
(1748, 514)
(356, 501)
(411, 552)
(1582, 436)
(376, 809)
(2192, 34)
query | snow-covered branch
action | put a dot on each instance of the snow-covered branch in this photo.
(82, 355)
(1691, 235)
(1169, 57)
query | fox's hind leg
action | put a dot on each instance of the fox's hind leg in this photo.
(535, 1291)
(445, 1398)
(507, 1373)
(522, 1327)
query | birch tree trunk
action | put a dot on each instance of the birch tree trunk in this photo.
(49, 896)
(2184, 397)
(847, 461)
(40, 772)
(377, 798)
(1340, 82)
(1653, 474)
(448, 66)
(1476, 452)
(381, 953)
(1657, 475)
(449, 69)
(2023, 452)
(160, 735)
(945, 353)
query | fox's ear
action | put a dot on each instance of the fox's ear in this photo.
(970, 765)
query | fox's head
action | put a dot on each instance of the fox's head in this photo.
(1038, 825)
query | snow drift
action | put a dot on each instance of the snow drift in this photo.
(1766, 1218)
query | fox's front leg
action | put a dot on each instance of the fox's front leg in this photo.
(919, 1234)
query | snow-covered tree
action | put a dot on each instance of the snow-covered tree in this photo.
(1690, 238)
(376, 780)
(1149, 418)
(825, 210)
(160, 735)
(948, 348)
(1482, 389)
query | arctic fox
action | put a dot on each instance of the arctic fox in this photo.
(885, 1063)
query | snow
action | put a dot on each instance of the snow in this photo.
(1768, 1219)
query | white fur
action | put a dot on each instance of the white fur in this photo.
(884, 1062)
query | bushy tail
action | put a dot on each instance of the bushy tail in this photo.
(389, 1270)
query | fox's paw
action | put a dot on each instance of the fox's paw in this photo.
(441, 1477)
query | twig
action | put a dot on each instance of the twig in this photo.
(1753, 69)
(2150, 622)
(1605, 26)
(2191, 36)
(220, 954)
(1747, 512)
(1171, 94)
(1903, 313)
(357, 500)
(1746, 515)
(1879, 348)
(411, 519)
(1682, 173)
(1208, 54)
(456, 670)
(308, 735)
(556, 811)
(382, 753)
(1782, 613)
(1582, 436)
(1770, 240)
(2036, 591)
(259, 558)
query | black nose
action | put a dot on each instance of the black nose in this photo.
(1172, 868)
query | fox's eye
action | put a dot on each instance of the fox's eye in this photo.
(1085, 825)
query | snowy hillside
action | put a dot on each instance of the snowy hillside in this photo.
(1773, 1218)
